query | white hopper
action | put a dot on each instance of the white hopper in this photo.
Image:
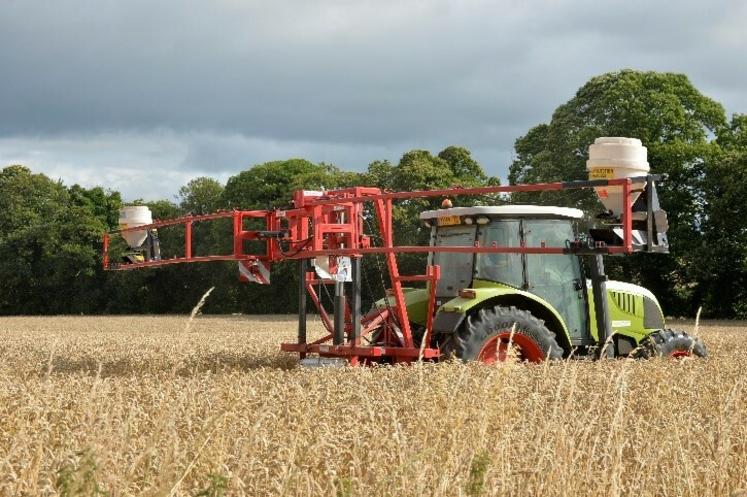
(617, 157)
(131, 217)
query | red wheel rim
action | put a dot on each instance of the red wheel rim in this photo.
(680, 353)
(496, 348)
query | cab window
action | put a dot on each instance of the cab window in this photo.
(501, 268)
(456, 267)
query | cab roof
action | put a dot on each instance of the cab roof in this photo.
(506, 211)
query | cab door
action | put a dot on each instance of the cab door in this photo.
(556, 278)
(456, 268)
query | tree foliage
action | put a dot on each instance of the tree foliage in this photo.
(272, 184)
(50, 233)
(664, 110)
(720, 263)
(201, 196)
(49, 242)
(678, 124)
(421, 170)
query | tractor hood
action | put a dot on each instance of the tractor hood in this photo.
(623, 287)
(632, 307)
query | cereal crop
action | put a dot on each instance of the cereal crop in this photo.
(146, 406)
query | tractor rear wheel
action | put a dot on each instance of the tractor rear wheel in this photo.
(670, 343)
(492, 335)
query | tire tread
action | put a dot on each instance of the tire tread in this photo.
(478, 327)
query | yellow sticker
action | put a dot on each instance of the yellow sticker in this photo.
(448, 220)
(602, 173)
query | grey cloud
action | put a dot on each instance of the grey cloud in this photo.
(216, 86)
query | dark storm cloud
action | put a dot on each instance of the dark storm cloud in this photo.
(224, 84)
(317, 71)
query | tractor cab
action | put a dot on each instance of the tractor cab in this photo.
(555, 278)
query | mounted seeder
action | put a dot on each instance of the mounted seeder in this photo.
(500, 281)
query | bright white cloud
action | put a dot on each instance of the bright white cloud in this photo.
(154, 164)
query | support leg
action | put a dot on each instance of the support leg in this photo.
(356, 304)
(601, 309)
(302, 263)
(338, 337)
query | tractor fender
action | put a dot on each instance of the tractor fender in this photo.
(416, 300)
(452, 313)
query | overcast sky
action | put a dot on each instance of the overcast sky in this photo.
(140, 96)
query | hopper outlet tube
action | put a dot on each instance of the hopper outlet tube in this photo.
(617, 158)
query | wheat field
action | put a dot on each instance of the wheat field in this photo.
(154, 406)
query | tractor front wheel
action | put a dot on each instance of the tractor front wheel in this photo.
(495, 334)
(670, 343)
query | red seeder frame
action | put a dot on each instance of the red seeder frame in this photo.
(331, 223)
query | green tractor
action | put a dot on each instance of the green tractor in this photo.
(535, 306)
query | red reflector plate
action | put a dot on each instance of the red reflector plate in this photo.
(448, 220)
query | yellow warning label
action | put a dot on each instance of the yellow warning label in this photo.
(602, 173)
(448, 220)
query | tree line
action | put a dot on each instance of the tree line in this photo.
(50, 233)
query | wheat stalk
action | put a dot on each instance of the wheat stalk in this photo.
(196, 309)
